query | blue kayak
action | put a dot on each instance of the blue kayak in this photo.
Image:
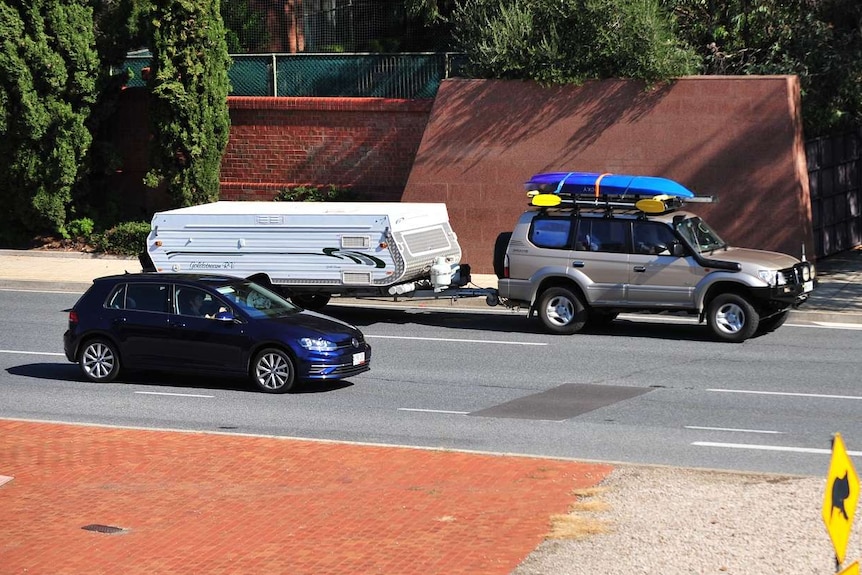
(592, 184)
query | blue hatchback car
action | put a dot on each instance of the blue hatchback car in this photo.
(208, 324)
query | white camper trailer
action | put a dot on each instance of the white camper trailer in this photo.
(311, 251)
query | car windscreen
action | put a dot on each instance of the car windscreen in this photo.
(699, 235)
(256, 300)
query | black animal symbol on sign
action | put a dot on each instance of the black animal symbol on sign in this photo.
(840, 492)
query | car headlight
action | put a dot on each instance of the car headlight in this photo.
(772, 277)
(807, 272)
(317, 344)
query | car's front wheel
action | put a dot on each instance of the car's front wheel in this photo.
(99, 360)
(732, 318)
(273, 371)
(562, 311)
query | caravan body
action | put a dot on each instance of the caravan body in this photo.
(331, 248)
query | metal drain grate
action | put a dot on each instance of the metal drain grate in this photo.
(102, 528)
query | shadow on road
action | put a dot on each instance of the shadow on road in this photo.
(379, 317)
(71, 372)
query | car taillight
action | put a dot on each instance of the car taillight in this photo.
(506, 266)
(73, 318)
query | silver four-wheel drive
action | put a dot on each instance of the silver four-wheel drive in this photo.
(581, 260)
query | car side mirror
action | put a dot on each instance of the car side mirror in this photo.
(225, 316)
(677, 249)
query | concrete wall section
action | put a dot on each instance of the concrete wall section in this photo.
(738, 138)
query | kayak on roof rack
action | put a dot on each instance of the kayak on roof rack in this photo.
(596, 184)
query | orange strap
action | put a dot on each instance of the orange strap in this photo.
(598, 181)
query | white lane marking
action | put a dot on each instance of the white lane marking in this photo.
(835, 325)
(14, 351)
(40, 290)
(787, 393)
(448, 339)
(732, 429)
(174, 394)
(433, 410)
(770, 448)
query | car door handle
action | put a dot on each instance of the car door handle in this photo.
(577, 264)
(640, 268)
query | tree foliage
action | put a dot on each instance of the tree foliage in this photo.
(189, 86)
(818, 40)
(48, 66)
(569, 41)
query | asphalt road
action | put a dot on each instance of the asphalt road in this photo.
(645, 390)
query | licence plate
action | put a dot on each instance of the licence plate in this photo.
(359, 358)
(808, 286)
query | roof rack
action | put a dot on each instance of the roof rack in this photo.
(645, 194)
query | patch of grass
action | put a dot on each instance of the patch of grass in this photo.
(582, 521)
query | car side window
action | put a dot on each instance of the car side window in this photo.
(194, 302)
(551, 232)
(651, 238)
(601, 235)
(117, 299)
(147, 297)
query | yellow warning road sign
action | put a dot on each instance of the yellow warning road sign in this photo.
(840, 498)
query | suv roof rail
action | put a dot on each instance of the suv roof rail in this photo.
(658, 204)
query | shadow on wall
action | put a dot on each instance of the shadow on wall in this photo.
(736, 138)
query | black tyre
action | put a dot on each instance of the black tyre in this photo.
(99, 360)
(770, 324)
(312, 301)
(500, 246)
(562, 311)
(273, 371)
(732, 318)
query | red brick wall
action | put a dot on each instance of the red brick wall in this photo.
(365, 144)
(275, 143)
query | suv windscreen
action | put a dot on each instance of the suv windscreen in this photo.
(699, 235)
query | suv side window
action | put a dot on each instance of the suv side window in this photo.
(147, 297)
(602, 235)
(551, 232)
(651, 238)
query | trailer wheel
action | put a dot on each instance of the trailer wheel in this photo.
(312, 301)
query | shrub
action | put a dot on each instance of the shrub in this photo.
(127, 239)
(81, 228)
(330, 193)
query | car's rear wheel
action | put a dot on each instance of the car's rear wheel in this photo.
(312, 301)
(99, 360)
(732, 318)
(562, 311)
(273, 371)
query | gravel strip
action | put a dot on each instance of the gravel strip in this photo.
(673, 521)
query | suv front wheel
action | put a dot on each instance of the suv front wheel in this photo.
(732, 318)
(562, 311)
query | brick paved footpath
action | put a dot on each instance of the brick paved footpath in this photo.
(206, 503)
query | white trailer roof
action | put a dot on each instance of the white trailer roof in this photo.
(391, 209)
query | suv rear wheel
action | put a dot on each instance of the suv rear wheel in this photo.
(732, 318)
(562, 311)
